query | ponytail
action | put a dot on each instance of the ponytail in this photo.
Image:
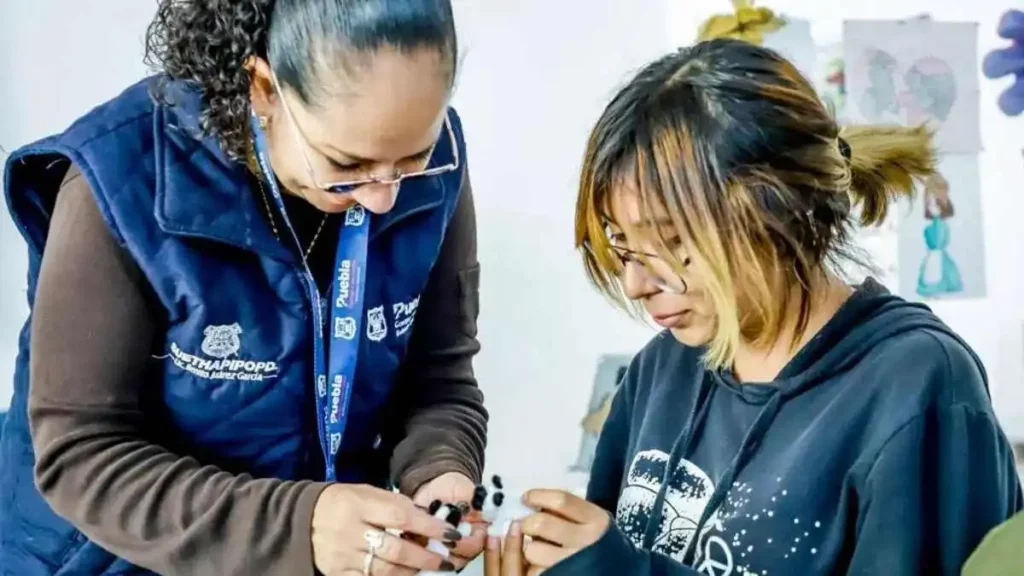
(206, 42)
(885, 164)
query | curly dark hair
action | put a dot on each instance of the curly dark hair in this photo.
(206, 43)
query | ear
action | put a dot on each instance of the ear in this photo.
(261, 90)
(236, 328)
(207, 330)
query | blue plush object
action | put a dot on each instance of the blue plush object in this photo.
(1010, 60)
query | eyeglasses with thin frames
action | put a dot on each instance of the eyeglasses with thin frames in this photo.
(347, 186)
(642, 259)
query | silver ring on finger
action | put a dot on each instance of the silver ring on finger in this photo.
(368, 563)
(374, 540)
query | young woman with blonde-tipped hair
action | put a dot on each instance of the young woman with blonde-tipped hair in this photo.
(787, 421)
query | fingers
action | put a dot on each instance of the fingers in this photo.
(553, 529)
(542, 555)
(400, 552)
(512, 553)
(564, 504)
(415, 539)
(389, 510)
(492, 557)
(378, 567)
(472, 546)
(535, 571)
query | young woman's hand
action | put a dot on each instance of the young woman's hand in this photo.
(564, 525)
(453, 488)
(347, 517)
(507, 561)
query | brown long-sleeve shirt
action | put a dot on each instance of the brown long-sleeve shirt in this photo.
(94, 326)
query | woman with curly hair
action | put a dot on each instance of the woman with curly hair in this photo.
(221, 373)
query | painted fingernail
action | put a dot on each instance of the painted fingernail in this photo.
(452, 535)
(450, 545)
(447, 566)
(515, 529)
(493, 543)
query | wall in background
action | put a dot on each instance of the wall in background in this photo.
(993, 325)
(58, 59)
(536, 76)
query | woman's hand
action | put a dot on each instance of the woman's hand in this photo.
(344, 516)
(453, 488)
(508, 561)
(564, 525)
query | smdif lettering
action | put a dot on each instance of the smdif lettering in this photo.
(223, 369)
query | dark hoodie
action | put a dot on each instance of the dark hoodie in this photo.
(875, 451)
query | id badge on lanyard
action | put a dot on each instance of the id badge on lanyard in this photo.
(334, 357)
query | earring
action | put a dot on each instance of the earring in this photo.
(264, 122)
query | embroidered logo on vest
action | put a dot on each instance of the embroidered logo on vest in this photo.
(219, 360)
(404, 313)
(376, 324)
(222, 341)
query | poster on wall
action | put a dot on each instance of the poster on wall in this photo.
(830, 79)
(915, 71)
(794, 42)
(610, 370)
(941, 235)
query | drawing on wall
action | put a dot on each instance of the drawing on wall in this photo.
(941, 235)
(938, 273)
(830, 80)
(610, 370)
(915, 71)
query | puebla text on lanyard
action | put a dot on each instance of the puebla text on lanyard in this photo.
(335, 367)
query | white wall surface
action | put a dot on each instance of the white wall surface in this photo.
(537, 75)
(58, 59)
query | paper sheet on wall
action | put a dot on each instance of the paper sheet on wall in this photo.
(830, 79)
(794, 42)
(606, 382)
(942, 236)
(915, 71)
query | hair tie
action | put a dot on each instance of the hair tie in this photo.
(844, 148)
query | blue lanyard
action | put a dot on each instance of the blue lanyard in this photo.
(335, 376)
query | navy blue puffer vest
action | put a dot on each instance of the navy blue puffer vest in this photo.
(232, 382)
